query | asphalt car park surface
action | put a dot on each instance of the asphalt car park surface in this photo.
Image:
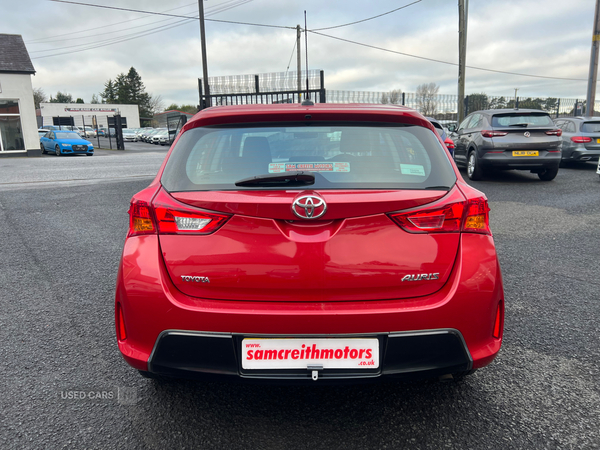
(64, 384)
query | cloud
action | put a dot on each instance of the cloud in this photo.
(507, 35)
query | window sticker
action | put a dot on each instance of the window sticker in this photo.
(412, 169)
(310, 166)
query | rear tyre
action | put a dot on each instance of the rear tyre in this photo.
(57, 150)
(474, 171)
(43, 149)
(548, 174)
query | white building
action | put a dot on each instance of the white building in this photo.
(18, 126)
(87, 114)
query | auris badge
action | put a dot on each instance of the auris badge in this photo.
(309, 207)
(421, 276)
(527, 134)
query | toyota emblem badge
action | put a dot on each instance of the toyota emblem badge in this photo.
(309, 207)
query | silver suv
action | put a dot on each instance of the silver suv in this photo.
(580, 138)
(522, 139)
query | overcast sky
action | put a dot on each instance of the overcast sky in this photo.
(549, 38)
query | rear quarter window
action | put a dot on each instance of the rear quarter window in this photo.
(340, 156)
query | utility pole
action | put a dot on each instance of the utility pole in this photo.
(463, 13)
(203, 46)
(299, 61)
(591, 92)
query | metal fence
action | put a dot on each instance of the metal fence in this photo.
(445, 107)
(278, 87)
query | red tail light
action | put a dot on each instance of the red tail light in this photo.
(141, 220)
(491, 133)
(174, 217)
(581, 139)
(168, 216)
(557, 132)
(449, 143)
(471, 216)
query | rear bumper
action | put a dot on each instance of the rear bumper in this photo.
(582, 154)
(171, 333)
(506, 160)
(406, 354)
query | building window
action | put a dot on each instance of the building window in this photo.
(11, 132)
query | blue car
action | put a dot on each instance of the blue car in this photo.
(61, 142)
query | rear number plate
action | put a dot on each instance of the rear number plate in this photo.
(525, 153)
(298, 353)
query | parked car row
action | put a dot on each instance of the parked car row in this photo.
(523, 139)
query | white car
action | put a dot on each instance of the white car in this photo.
(89, 132)
(129, 136)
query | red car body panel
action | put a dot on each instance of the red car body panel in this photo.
(271, 274)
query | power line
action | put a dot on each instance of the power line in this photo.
(169, 15)
(440, 61)
(71, 33)
(292, 55)
(370, 18)
(128, 37)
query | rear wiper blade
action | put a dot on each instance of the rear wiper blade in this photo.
(296, 178)
(522, 124)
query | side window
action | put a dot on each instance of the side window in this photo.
(464, 123)
(570, 127)
(51, 135)
(474, 121)
(559, 124)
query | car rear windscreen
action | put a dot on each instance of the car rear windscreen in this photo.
(590, 127)
(522, 119)
(340, 157)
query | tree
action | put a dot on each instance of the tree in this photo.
(497, 103)
(39, 97)
(61, 98)
(156, 104)
(477, 102)
(94, 99)
(393, 97)
(191, 109)
(128, 89)
(427, 98)
(109, 94)
(79, 100)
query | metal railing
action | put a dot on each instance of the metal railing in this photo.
(445, 107)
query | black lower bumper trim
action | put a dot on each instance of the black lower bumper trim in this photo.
(420, 354)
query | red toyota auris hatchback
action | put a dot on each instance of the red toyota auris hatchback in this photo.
(309, 242)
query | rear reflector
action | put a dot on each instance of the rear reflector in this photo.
(581, 139)
(491, 133)
(499, 321)
(121, 333)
